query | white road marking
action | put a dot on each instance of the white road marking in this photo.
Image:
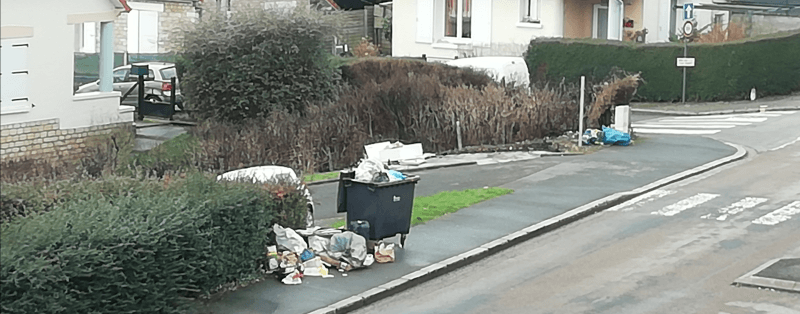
(685, 204)
(675, 131)
(688, 126)
(735, 208)
(787, 144)
(727, 119)
(779, 215)
(641, 199)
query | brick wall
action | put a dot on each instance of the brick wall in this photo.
(45, 140)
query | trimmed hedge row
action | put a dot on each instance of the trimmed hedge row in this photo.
(140, 246)
(724, 71)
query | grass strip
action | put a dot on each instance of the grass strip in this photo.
(320, 176)
(427, 208)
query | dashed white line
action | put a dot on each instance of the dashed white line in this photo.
(685, 204)
(779, 215)
(641, 199)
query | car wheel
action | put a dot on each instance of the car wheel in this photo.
(153, 99)
(310, 216)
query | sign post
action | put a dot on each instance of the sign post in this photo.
(688, 30)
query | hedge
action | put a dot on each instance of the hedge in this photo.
(140, 246)
(724, 71)
(256, 61)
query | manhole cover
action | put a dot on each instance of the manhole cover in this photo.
(785, 269)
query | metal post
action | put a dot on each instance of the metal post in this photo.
(458, 132)
(580, 115)
(683, 95)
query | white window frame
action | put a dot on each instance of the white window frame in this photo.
(595, 11)
(134, 35)
(529, 11)
(459, 23)
(15, 76)
(86, 37)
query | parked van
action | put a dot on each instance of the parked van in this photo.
(509, 69)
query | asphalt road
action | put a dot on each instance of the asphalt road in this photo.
(659, 254)
(443, 179)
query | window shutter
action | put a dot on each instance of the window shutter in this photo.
(482, 22)
(425, 21)
(614, 20)
(14, 76)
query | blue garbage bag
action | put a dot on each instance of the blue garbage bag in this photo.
(614, 137)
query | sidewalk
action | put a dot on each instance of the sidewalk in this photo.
(776, 103)
(577, 187)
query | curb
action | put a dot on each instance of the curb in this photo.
(750, 280)
(450, 264)
(706, 113)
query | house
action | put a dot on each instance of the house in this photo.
(446, 29)
(39, 115)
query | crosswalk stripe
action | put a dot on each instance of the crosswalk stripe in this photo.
(726, 118)
(779, 215)
(641, 199)
(685, 204)
(735, 208)
(674, 131)
(688, 126)
(699, 122)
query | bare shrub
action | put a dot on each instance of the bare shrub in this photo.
(619, 89)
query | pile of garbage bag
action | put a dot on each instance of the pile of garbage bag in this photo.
(370, 170)
(312, 252)
(606, 136)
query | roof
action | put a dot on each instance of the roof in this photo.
(121, 4)
(767, 7)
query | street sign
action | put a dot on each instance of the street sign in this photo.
(685, 62)
(688, 28)
(688, 11)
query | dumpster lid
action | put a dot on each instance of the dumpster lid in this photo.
(409, 179)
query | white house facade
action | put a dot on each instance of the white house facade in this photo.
(446, 29)
(39, 115)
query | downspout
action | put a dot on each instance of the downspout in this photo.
(672, 22)
(621, 18)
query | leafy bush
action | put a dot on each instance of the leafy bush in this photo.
(256, 61)
(724, 71)
(140, 246)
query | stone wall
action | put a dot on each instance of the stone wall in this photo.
(46, 140)
(176, 12)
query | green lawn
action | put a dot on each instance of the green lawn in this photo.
(320, 176)
(434, 206)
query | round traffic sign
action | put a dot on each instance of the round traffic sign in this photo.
(688, 28)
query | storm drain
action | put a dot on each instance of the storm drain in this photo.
(780, 274)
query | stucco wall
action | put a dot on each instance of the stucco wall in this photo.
(57, 120)
(508, 36)
(579, 16)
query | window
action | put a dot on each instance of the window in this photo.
(86, 37)
(529, 10)
(142, 31)
(14, 76)
(719, 18)
(121, 75)
(457, 18)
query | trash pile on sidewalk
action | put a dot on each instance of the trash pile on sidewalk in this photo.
(313, 251)
(606, 136)
(403, 154)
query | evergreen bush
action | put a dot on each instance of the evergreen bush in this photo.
(256, 61)
(140, 246)
(724, 71)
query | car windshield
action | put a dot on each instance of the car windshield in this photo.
(168, 73)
